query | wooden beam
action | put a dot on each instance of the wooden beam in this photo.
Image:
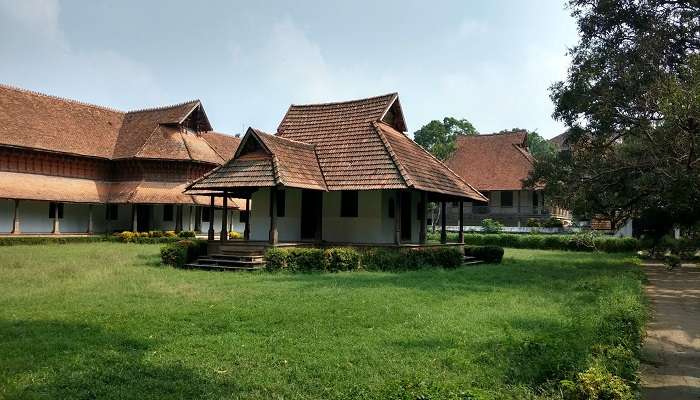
(15, 219)
(210, 232)
(224, 220)
(397, 216)
(461, 221)
(443, 217)
(422, 237)
(89, 227)
(273, 237)
(246, 230)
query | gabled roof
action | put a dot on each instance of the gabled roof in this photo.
(420, 169)
(561, 141)
(38, 121)
(264, 160)
(497, 161)
(353, 145)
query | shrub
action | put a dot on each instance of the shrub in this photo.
(186, 234)
(305, 259)
(553, 223)
(155, 234)
(128, 236)
(588, 241)
(39, 240)
(170, 234)
(179, 253)
(379, 259)
(444, 257)
(672, 261)
(489, 254)
(491, 226)
(533, 223)
(234, 235)
(276, 259)
(597, 384)
(341, 259)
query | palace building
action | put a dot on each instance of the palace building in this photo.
(68, 167)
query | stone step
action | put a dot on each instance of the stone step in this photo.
(215, 267)
(242, 257)
(223, 261)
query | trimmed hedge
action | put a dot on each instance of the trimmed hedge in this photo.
(182, 252)
(489, 254)
(350, 259)
(576, 242)
(38, 240)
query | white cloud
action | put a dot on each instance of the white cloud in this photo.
(33, 39)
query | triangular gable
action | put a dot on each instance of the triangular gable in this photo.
(196, 119)
(393, 115)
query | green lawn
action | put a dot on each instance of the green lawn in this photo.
(106, 321)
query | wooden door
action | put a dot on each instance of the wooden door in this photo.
(310, 214)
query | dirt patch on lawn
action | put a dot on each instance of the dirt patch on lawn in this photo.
(671, 361)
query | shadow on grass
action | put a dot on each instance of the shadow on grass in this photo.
(58, 360)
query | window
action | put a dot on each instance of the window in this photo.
(392, 207)
(507, 199)
(206, 217)
(112, 212)
(348, 203)
(280, 203)
(535, 200)
(243, 216)
(168, 212)
(52, 210)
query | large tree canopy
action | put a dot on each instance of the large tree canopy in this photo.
(631, 100)
(438, 137)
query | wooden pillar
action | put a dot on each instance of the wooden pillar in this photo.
(518, 199)
(423, 222)
(246, 230)
(56, 228)
(178, 218)
(224, 220)
(134, 218)
(108, 219)
(443, 216)
(210, 232)
(273, 216)
(198, 219)
(89, 227)
(461, 221)
(15, 219)
(397, 217)
(319, 219)
(190, 225)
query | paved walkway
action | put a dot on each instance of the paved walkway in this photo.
(671, 368)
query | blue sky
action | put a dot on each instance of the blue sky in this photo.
(488, 61)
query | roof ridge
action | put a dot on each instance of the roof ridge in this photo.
(184, 143)
(143, 145)
(332, 103)
(66, 99)
(402, 170)
(212, 147)
(495, 134)
(276, 173)
(161, 108)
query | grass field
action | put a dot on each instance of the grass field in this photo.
(106, 321)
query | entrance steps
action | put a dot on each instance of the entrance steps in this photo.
(232, 258)
(469, 260)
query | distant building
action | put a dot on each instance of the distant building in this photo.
(496, 165)
(71, 167)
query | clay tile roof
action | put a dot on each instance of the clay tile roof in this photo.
(420, 169)
(351, 154)
(264, 160)
(38, 121)
(492, 162)
(225, 145)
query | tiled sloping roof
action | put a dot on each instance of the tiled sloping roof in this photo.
(33, 120)
(560, 141)
(225, 145)
(22, 186)
(350, 152)
(492, 162)
(145, 192)
(279, 162)
(296, 163)
(420, 169)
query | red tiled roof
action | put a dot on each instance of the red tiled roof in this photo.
(420, 169)
(354, 145)
(225, 145)
(38, 121)
(351, 153)
(265, 160)
(492, 162)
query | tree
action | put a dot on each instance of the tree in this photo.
(631, 101)
(439, 137)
